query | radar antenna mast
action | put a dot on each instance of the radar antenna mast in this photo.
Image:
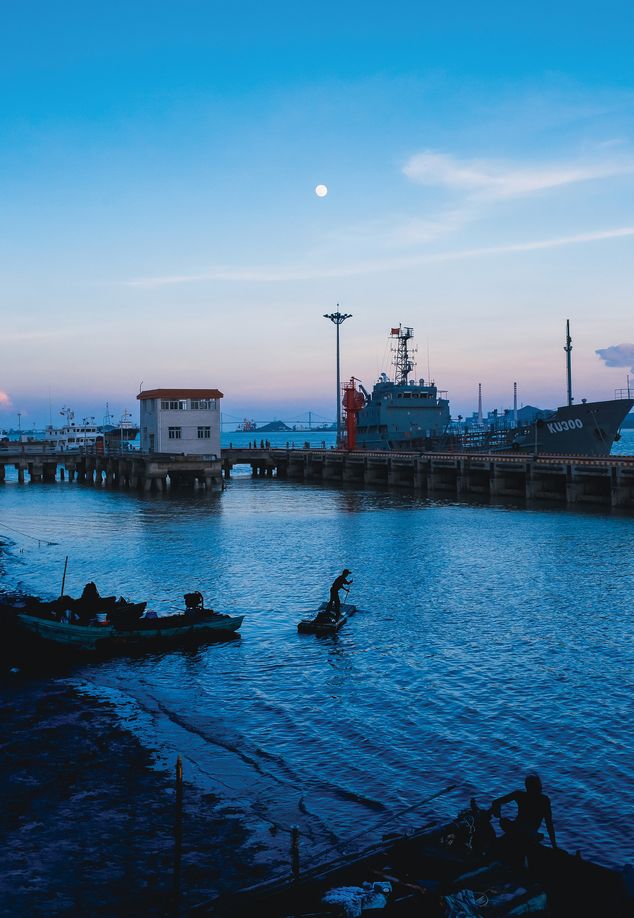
(402, 364)
(568, 350)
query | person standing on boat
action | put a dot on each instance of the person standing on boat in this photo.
(533, 808)
(340, 583)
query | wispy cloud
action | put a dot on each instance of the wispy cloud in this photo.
(399, 231)
(5, 400)
(309, 272)
(495, 179)
(617, 355)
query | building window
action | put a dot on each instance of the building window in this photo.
(174, 433)
(200, 404)
(204, 433)
(165, 405)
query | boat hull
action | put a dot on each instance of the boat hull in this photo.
(425, 866)
(587, 429)
(108, 638)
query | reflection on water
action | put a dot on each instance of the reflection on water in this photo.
(490, 640)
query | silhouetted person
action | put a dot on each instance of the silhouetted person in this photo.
(90, 595)
(340, 583)
(533, 808)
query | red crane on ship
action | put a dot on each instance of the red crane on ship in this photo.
(353, 401)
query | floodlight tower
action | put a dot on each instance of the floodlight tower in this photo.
(338, 318)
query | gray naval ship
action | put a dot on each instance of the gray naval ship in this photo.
(402, 414)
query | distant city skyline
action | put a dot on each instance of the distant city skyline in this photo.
(160, 221)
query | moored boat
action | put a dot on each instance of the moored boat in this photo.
(112, 625)
(109, 635)
(402, 414)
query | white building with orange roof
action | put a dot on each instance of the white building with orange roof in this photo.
(180, 421)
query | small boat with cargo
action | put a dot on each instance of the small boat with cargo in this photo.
(108, 625)
(324, 622)
(451, 870)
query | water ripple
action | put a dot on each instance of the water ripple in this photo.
(493, 640)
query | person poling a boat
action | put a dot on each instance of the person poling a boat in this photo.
(340, 583)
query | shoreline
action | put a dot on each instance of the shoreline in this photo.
(88, 818)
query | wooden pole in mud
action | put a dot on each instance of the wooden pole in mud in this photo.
(178, 834)
(295, 852)
(64, 576)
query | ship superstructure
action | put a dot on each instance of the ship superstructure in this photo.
(74, 435)
(402, 414)
(405, 415)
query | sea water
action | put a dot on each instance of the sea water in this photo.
(491, 640)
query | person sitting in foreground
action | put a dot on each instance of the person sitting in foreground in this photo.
(533, 808)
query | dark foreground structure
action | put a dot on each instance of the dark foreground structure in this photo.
(456, 870)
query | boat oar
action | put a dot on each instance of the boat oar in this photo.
(64, 577)
(408, 809)
(348, 593)
(343, 845)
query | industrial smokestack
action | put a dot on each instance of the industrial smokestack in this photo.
(515, 404)
(480, 402)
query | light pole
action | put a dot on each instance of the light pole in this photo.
(337, 318)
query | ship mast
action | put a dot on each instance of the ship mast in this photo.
(568, 350)
(403, 366)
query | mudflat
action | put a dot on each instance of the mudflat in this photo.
(87, 818)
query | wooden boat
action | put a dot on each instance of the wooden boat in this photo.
(439, 871)
(127, 632)
(314, 626)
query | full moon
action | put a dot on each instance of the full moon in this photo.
(321, 191)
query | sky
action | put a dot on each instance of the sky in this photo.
(159, 224)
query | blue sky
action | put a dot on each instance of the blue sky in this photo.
(158, 220)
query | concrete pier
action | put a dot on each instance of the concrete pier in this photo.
(569, 480)
(144, 471)
(562, 479)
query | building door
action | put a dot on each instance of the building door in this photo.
(151, 443)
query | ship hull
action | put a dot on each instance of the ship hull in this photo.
(587, 429)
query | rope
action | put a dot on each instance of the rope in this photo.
(343, 845)
(28, 535)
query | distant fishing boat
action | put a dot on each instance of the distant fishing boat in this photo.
(247, 425)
